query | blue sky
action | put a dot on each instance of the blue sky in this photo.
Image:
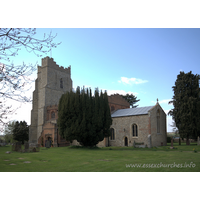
(144, 62)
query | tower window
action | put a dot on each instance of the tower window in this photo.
(61, 83)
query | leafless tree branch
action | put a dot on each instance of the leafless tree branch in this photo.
(15, 79)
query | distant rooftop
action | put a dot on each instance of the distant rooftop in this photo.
(132, 111)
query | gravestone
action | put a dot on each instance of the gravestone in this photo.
(187, 142)
(38, 147)
(26, 147)
(134, 144)
(179, 141)
(171, 143)
(149, 141)
(48, 144)
(17, 146)
(13, 147)
(198, 141)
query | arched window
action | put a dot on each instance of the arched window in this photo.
(135, 130)
(52, 115)
(158, 121)
(61, 83)
(112, 137)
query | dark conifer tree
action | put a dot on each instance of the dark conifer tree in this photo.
(186, 102)
(20, 131)
(132, 99)
(84, 117)
(78, 111)
(65, 115)
(107, 116)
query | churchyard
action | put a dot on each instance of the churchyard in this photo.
(182, 158)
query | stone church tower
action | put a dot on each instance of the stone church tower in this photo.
(52, 81)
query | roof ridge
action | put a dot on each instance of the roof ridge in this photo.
(140, 107)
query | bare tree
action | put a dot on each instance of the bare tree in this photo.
(14, 79)
(9, 131)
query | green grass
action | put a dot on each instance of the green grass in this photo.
(108, 159)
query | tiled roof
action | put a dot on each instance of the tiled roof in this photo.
(132, 111)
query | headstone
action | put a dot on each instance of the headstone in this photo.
(26, 147)
(134, 144)
(48, 144)
(187, 142)
(55, 141)
(8, 152)
(38, 147)
(171, 143)
(13, 146)
(149, 141)
(179, 141)
(18, 146)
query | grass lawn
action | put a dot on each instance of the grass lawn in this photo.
(108, 159)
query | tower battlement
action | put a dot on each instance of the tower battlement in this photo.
(49, 62)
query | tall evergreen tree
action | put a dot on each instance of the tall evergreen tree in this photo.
(107, 120)
(132, 99)
(84, 117)
(186, 102)
(20, 131)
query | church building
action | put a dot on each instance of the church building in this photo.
(136, 125)
(145, 125)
